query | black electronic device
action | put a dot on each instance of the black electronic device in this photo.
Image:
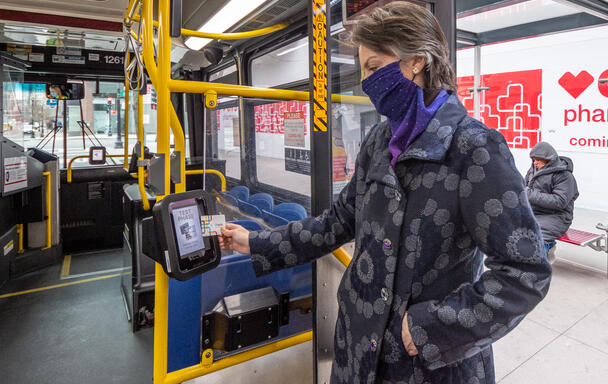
(97, 155)
(173, 236)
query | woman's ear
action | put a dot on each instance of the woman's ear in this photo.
(418, 64)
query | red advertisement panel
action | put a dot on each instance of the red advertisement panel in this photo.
(512, 104)
(269, 118)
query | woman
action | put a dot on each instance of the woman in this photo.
(433, 189)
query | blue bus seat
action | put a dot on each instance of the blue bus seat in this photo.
(272, 219)
(230, 199)
(290, 211)
(262, 201)
(249, 209)
(241, 192)
(248, 224)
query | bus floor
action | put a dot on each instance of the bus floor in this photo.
(77, 332)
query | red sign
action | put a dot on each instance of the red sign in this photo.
(512, 105)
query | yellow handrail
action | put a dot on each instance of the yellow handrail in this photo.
(227, 35)
(163, 74)
(69, 175)
(211, 171)
(130, 14)
(342, 256)
(262, 93)
(47, 175)
(208, 365)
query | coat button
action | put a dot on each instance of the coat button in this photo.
(388, 243)
(373, 345)
(384, 294)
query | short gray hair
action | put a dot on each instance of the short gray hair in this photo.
(408, 30)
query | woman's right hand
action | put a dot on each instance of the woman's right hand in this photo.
(236, 238)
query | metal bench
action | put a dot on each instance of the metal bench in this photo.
(594, 241)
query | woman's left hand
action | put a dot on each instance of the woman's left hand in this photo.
(406, 337)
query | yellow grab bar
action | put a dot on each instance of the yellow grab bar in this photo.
(47, 175)
(227, 35)
(69, 176)
(208, 365)
(342, 256)
(211, 171)
(20, 236)
(262, 93)
(130, 14)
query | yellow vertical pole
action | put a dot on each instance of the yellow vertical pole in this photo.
(20, 235)
(127, 89)
(161, 300)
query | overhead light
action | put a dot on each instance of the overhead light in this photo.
(230, 14)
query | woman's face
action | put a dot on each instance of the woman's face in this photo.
(371, 61)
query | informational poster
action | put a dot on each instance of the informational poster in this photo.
(67, 59)
(188, 230)
(297, 160)
(36, 57)
(15, 173)
(295, 128)
(236, 132)
(9, 247)
(341, 173)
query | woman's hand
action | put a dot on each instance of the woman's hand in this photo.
(406, 337)
(236, 238)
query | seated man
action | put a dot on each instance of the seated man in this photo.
(551, 189)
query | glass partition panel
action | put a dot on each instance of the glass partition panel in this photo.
(282, 145)
(227, 123)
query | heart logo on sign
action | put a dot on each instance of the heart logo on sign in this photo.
(575, 85)
(603, 87)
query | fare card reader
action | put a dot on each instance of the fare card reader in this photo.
(178, 235)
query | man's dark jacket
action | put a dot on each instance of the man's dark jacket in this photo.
(551, 191)
(420, 231)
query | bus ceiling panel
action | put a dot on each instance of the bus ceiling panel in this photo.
(514, 15)
(466, 8)
(539, 28)
(94, 10)
(597, 8)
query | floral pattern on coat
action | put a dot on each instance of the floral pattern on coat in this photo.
(421, 230)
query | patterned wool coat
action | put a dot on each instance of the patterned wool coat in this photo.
(420, 231)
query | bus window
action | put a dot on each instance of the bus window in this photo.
(282, 145)
(226, 121)
(286, 65)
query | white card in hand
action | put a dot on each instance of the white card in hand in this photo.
(212, 225)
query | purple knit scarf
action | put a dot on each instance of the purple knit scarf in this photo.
(402, 102)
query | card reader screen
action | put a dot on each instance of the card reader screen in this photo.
(187, 223)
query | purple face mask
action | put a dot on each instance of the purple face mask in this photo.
(402, 102)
